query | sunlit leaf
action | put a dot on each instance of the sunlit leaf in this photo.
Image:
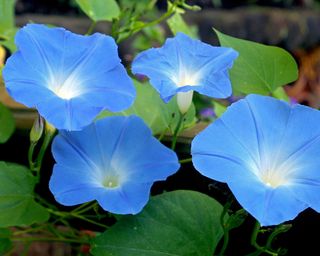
(259, 68)
(99, 10)
(177, 24)
(6, 15)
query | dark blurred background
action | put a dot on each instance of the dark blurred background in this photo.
(69, 6)
(291, 24)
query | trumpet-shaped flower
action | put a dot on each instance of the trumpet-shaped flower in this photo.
(183, 65)
(68, 78)
(114, 161)
(268, 153)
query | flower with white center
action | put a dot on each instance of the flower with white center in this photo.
(267, 151)
(183, 65)
(114, 161)
(68, 78)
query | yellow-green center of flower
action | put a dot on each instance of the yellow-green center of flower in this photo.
(111, 182)
(273, 178)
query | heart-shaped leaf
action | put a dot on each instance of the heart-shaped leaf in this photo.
(259, 68)
(17, 204)
(175, 223)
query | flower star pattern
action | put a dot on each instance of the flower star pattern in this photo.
(68, 78)
(114, 161)
(183, 65)
(268, 153)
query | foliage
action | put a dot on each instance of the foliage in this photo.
(115, 130)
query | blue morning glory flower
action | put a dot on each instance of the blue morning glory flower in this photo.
(114, 161)
(68, 78)
(267, 151)
(184, 65)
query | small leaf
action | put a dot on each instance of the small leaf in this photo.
(175, 223)
(177, 24)
(259, 68)
(236, 220)
(7, 124)
(219, 108)
(100, 10)
(158, 115)
(17, 205)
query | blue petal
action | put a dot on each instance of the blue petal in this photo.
(121, 147)
(267, 152)
(163, 66)
(269, 206)
(72, 186)
(308, 190)
(127, 200)
(225, 148)
(79, 72)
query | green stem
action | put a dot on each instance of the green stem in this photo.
(279, 229)
(187, 160)
(254, 243)
(75, 215)
(152, 23)
(225, 229)
(91, 28)
(30, 155)
(89, 220)
(49, 134)
(176, 132)
(84, 208)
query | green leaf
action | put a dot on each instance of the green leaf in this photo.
(175, 223)
(7, 24)
(158, 115)
(236, 220)
(100, 10)
(6, 15)
(5, 242)
(7, 123)
(259, 68)
(281, 94)
(177, 24)
(219, 108)
(138, 6)
(8, 39)
(17, 205)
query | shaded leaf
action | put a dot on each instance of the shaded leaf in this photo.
(7, 124)
(17, 204)
(259, 68)
(175, 223)
(138, 6)
(5, 242)
(100, 10)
